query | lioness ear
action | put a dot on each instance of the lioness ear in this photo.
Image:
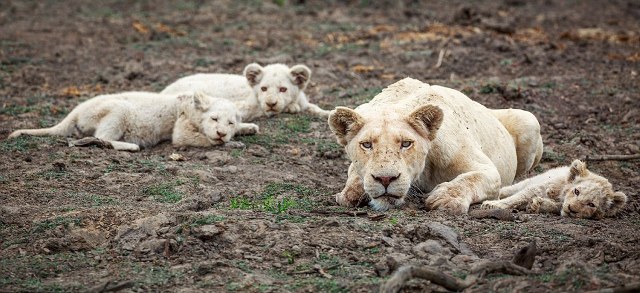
(426, 120)
(201, 101)
(253, 73)
(345, 123)
(615, 202)
(300, 75)
(577, 169)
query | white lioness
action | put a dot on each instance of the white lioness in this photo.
(262, 91)
(130, 120)
(571, 191)
(424, 138)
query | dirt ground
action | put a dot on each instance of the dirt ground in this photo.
(262, 218)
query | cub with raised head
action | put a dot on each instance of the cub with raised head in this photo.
(260, 91)
(131, 120)
(571, 191)
(431, 139)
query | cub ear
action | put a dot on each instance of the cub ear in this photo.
(300, 75)
(577, 169)
(345, 124)
(426, 120)
(201, 101)
(253, 73)
(615, 203)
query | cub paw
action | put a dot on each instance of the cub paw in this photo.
(293, 108)
(534, 206)
(493, 204)
(252, 129)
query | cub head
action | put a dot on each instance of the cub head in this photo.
(216, 118)
(589, 195)
(276, 85)
(387, 150)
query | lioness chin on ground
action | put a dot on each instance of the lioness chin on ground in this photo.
(435, 142)
(571, 191)
(130, 120)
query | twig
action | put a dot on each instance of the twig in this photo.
(405, 273)
(626, 288)
(613, 157)
(440, 57)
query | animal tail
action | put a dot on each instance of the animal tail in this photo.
(66, 127)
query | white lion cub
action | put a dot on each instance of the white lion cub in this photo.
(261, 91)
(570, 191)
(130, 120)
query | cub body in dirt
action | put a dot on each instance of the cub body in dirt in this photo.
(260, 91)
(423, 139)
(571, 191)
(131, 120)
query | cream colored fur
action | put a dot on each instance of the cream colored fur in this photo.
(261, 91)
(431, 139)
(571, 191)
(132, 120)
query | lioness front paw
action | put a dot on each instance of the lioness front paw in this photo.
(447, 198)
(493, 204)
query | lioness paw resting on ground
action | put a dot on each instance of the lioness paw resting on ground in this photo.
(572, 191)
(261, 91)
(131, 120)
(430, 139)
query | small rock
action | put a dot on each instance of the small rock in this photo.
(176, 157)
(232, 169)
(207, 232)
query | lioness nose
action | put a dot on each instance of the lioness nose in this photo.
(221, 134)
(272, 104)
(385, 180)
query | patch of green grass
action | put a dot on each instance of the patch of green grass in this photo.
(236, 153)
(277, 198)
(165, 192)
(206, 220)
(490, 88)
(52, 223)
(25, 143)
(101, 200)
(53, 174)
(15, 110)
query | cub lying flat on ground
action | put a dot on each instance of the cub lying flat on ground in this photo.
(130, 120)
(433, 139)
(261, 91)
(570, 191)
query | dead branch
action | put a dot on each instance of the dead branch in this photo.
(440, 57)
(407, 272)
(526, 255)
(626, 288)
(613, 157)
(503, 267)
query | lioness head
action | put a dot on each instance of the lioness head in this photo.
(216, 118)
(387, 150)
(276, 85)
(590, 195)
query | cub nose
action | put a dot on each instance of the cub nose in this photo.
(385, 180)
(272, 104)
(221, 134)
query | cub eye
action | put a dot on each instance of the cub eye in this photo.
(230, 123)
(214, 119)
(264, 88)
(283, 89)
(576, 191)
(405, 144)
(366, 145)
(591, 205)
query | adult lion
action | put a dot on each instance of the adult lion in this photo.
(435, 140)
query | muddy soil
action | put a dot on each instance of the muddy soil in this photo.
(262, 218)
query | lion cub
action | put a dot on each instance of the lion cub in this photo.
(130, 120)
(260, 91)
(570, 191)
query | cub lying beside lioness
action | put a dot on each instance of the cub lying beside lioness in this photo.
(571, 191)
(434, 141)
(260, 91)
(130, 120)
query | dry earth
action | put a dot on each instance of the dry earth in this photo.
(262, 218)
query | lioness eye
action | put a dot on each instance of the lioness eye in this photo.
(591, 205)
(405, 144)
(366, 145)
(576, 191)
(283, 89)
(214, 119)
(264, 88)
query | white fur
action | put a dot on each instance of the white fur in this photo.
(246, 91)
(131, 120)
